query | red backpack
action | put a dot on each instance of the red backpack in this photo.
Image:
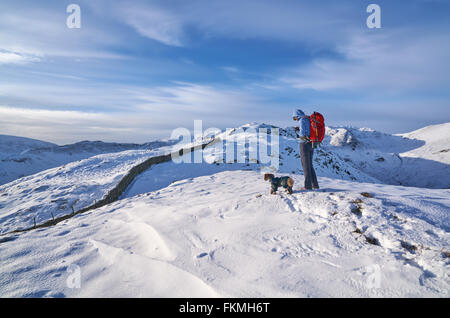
(317, 129)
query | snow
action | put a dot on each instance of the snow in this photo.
(216, 235)
(16, 145)
(22, 157)
(60, 191)
(417, 159)
(213, 230)
(437, 140)
(429, 165)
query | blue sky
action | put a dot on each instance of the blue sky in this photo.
(138, 69)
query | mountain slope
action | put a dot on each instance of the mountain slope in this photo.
(410, 159)
(20, 157)
(218, 235)
(429, 165)
(347, 154)
(212, 229)
(436, 140)
(12, 145)
(420, 158)
(60, 191)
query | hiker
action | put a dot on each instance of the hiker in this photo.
(306, 149)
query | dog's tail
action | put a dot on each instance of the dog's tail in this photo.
(290, 182)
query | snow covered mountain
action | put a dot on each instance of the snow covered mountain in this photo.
(21, 157)
(17, 145)
(418, 159)
(214, 230)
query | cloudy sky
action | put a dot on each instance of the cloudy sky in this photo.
(135, 70)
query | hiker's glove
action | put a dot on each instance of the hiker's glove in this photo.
(296, 129)
(304, 138)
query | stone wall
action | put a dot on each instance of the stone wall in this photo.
(115, 193)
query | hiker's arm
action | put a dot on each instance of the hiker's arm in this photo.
(304, 128)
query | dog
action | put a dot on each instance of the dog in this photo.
(285, 182)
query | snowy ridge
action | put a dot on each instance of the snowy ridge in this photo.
(21, 157)
(366, 155)
(346, 154)
(17, 145)
(213, 230)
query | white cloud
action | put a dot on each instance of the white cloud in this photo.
(130, 114)
(68, 126)
(393, 61)
(230, 69)
(16, 58)
(293, 21)
(37, 31)
(199, 100)
(155, 23)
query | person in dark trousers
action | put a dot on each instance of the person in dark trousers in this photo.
(306, 150)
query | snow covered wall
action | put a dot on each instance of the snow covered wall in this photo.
(59, 193)
(20, 157)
